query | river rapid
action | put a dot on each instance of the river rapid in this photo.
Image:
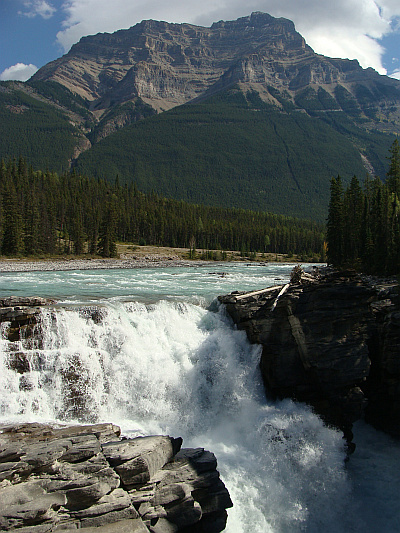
(152, 351)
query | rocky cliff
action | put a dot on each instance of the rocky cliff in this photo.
(170, 64)
(166, 65)
(330, 340)
(72, 477)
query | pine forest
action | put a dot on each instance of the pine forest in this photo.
(47, 213)
(363, 228)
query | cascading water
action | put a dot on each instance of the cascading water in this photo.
(179, 368)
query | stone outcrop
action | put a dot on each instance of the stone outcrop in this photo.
(332, 341)
(22, 314)
(72, 477)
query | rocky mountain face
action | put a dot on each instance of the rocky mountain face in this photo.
(170, 64)
(166, 65)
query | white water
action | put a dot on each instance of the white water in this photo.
(161, 361)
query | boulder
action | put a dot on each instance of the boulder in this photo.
(187, 492)
(22, 315)
(137, 460)
(68, 478)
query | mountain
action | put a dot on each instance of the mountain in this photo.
(172, 64)
(243, 113)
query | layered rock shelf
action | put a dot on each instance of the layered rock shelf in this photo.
(71, 477)
(332, 340)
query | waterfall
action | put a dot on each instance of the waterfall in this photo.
(180, 369)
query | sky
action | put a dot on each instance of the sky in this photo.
(34, 32)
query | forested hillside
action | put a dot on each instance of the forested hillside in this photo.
(46, 213)
(363, 230)
(36, 129)
(235, 150)
(230, 150)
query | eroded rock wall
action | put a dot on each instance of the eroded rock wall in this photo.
(330, 340)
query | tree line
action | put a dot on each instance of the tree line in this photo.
(363, 228)
(42, 212)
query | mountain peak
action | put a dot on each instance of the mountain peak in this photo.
(170, 64)
(166, 65)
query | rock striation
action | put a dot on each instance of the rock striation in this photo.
(165, 65)
(330, 340)
(21, 313)
(170, 64)
(71, 477)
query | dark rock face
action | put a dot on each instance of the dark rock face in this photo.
(22, 314)
(333, 342)
(383, 385)
(67, 478)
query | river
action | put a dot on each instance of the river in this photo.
(152, 351)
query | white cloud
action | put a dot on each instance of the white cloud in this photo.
(395, 74)
(38, 7)
(344, 28)
(86, 17)
(18, 72)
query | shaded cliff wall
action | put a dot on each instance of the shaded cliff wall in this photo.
(331, 340)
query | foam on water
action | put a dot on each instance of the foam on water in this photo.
(175, 367)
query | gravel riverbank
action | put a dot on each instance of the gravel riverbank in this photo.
(16, 265)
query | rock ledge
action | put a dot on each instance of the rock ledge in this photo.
(71, 477)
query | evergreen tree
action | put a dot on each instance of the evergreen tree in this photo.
(107, 245)
(353, 217)
(393, 174)
(13, 230)
(33, 227)
(77, 232)
(367, 237)
(364, 226)
(335, 224)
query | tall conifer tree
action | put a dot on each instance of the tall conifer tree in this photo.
(335, 224)
(393, 174)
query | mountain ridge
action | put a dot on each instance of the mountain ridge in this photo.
(151, 47)
(168, 64)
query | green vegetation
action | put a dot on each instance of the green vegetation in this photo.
(235, 150)
(119, 116)
(230, 150)
(34, 129)
(363, 228)
(46, 213)
(54, 92)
